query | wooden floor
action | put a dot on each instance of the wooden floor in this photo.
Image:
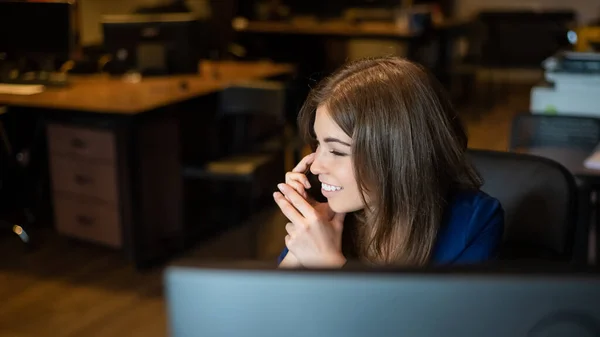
(65, 288)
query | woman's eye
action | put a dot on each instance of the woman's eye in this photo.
(336, 153)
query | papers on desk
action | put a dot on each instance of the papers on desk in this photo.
(21, 89)
(593, 161)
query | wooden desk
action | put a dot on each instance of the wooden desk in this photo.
(101, 93)
(309, 36)
(115, 154)
(334, 28)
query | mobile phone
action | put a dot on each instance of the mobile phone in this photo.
(315, 188)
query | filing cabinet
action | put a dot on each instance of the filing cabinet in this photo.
(117, 183)
(89, 220)
(83, 171)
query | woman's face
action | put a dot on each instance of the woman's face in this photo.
(333, 164)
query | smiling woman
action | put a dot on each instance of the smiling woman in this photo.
(334, 155)
(389, 151)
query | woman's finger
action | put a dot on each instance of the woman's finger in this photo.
(289, 228)
(288, 209)
(299, 188)
(298, 203)
(300, 177)
(304, 164)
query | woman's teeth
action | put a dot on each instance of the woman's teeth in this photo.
(330, 188)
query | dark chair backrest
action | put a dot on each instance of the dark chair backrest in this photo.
(251, 113)
(554, 131)
(254, 97)
(539, 198)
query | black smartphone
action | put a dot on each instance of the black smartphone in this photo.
(315, 188)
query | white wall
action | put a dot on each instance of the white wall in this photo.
(586, 9)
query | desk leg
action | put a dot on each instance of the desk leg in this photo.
(156, 227)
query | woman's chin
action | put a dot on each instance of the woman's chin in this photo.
(335, 207)
(339, 206)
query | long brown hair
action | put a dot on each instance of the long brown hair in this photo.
(408, 148)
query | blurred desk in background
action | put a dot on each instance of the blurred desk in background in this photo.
(339, 28)
(115, 152)
(316, 45)
(376, 30)
(114, 95)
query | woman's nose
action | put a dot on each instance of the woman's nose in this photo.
(317, 166)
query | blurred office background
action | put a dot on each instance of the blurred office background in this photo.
(139, 133)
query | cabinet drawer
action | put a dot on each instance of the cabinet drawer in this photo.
(84, 178)
(88, 221)
(87, 143)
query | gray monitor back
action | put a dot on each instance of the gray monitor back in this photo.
(261, 303)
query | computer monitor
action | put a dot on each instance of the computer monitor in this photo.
(244, 301)
(156, 44)
(36, 29)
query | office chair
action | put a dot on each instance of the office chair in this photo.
(251, 119)
(560, 131)
(11, 171)
(250, 113)
(539, 197)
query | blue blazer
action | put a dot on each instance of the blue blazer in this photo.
(471, 230)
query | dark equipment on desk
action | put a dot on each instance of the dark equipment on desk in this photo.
(173, 6)
(573, 62)
(316, 8)
(155, 44)
(29, 55)
(249, 300)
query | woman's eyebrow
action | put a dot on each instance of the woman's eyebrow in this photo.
(335, 140)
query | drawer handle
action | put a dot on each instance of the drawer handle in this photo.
(85, 220)
(78, 143)
(82, 180)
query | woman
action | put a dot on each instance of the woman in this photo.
(390, 157)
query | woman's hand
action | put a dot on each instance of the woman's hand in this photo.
(297, 177)
(298, 181)
(314, 238)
